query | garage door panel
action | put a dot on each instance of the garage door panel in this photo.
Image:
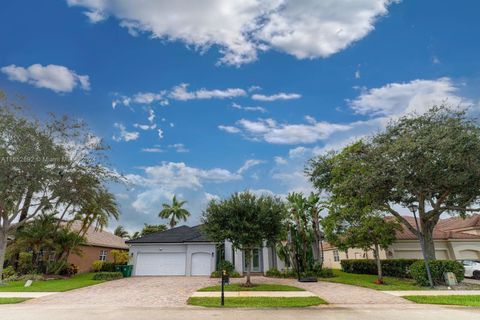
(201, 264)
(160, 264)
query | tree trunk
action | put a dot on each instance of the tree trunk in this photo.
(248, 258)
(379, 263)
(428, 244)
(3, 249)
(316, 234)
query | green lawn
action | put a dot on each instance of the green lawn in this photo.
(256, 287)
(469, 300)
(257, 302)
(12, 300)
(60, 285)
(367, 281)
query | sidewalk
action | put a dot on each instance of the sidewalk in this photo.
(276, 294)
(434, 293)
(25, 294)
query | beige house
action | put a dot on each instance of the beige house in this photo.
(455, 239)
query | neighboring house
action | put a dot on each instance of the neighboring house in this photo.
(454, 238)
(98, 246)
(188, 251)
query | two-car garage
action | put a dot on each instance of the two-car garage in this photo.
(181, 251)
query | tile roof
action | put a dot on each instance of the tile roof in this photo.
(101, 238)
(179, 234)
(443, 230)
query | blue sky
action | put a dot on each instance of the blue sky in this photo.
(202, 99)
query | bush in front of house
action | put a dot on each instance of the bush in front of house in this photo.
(103, 266)
(218, 274)
(107, 276)
(418, 271)
(25, 263)
(8, 273)
(390, 267)
(227, 266)
(97, 265)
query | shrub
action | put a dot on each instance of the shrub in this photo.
(390, 267)
(33, 277)
(97, 265)
(274, 273)
(325, 273)
(108, 267)
(218, 274)
(107, 276)
(227, 266)
(8, 272)
(438, 269)
(70, 270)
(25, 263)
(120, 256)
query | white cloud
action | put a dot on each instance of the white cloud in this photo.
(303, 28)
(254, 109)
(145, 126)
(270, 131)
(414, 96)
(160, 133)
(280, 160)
(229, 129)
(181, 93)
(249, 164)
(277, 96)
(153, 150)
(54, 77)
(173, 175)
(179, 147)
(357, 74)
(124, 134)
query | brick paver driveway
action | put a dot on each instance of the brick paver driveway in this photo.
(337, 293)
(135, 291)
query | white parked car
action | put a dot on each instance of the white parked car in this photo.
(472, 268)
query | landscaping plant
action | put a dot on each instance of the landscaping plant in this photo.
(245, 220)
(438, 268)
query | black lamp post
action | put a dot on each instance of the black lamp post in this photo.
(413, 208)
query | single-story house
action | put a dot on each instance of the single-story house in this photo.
(98, 246)
(455, 239)
(188, 251)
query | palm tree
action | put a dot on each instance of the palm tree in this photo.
(121, 232)
(174, 212)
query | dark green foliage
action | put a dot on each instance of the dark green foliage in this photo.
(438, 269)
(218, 274)
(108, 267)
(107, 276)
(432, 160)
(227, 266)
(398, 268)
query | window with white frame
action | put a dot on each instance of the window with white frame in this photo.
(103, 255)
(336, 257)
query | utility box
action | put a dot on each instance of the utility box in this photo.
(450, 279)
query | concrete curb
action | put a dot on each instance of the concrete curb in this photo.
(276, 294)
(434, 293)
(25, 294)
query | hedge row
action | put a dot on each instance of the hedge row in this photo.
(437, 268)
(107, 276)
(390, 267)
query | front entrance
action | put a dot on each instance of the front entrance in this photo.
(256, 261)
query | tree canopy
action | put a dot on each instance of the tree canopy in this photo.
(432, 160)
(175, 212)
(246, 220)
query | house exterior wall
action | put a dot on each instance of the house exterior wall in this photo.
(410, 249)
(267, 259)
(188, 248)
(88, 256)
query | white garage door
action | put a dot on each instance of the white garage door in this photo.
(160, 264)
(201, 264)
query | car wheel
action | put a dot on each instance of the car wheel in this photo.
(476, 275)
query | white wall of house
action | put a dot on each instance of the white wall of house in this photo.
(266, 259)
(409, 249)
(200, 252)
